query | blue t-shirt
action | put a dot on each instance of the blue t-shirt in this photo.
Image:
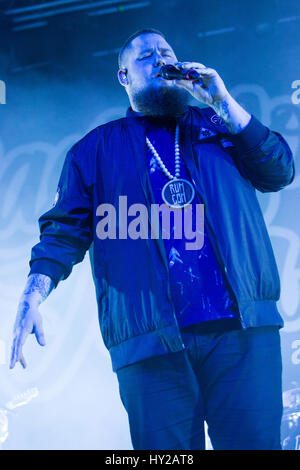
(199, 290)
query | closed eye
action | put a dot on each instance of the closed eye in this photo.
(150, 53)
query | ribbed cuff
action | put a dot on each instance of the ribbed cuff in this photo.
(49, 268)
(254, 134)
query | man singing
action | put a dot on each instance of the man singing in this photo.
(193, 333)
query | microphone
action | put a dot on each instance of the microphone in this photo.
(171, 72)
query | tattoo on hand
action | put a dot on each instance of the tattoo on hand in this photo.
(39, 283)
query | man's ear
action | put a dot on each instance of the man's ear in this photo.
(122, 76)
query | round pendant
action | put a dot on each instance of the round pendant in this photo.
(178, 193)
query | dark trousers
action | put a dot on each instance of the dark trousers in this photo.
(231, 380)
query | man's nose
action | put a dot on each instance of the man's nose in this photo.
(159, 60)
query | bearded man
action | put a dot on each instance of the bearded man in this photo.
(192, 331)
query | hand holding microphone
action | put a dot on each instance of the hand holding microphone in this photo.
(204, 83)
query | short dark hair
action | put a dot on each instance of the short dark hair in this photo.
(132, 37)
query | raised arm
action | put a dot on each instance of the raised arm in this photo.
(264, 157)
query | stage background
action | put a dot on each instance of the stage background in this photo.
(58, 72)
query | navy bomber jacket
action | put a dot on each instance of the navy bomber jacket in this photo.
(136, 312)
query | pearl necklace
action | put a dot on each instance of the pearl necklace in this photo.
(177, 156)
(178, 192)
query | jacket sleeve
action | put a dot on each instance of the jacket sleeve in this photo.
(65, 229)
(264, 157)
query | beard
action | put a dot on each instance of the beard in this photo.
(168, 101)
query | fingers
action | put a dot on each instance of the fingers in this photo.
(12, 355)
(22, 361)
(39, 334)
(190, 65)
(202, 69)
(28, 321)
(207, 71)
(205, 75)
(17, 353)
(14, 360)
(18, 342)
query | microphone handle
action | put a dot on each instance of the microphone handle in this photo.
(170, 72)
